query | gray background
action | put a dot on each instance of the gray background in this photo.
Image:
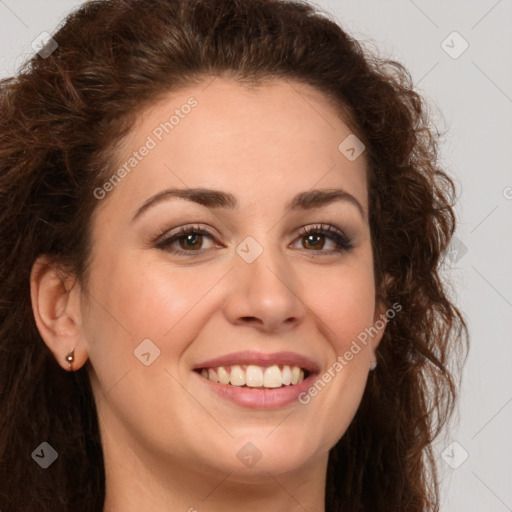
(471, 98)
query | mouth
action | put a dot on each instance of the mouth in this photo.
(256, 380)
(251, 376)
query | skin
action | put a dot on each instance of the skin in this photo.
(168, 441)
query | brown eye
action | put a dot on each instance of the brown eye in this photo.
(191, 241)
(313, 241)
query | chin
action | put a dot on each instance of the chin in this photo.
(247, 457)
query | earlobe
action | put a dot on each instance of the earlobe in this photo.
(55, 297)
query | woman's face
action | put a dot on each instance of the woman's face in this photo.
(245, 290)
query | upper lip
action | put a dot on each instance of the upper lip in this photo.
(260, 359)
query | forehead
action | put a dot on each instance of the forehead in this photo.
(277, 138)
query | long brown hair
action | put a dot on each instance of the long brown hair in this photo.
(60, 119)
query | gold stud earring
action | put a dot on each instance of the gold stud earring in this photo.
(70, 359)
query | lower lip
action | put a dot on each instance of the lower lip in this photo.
(260, 398)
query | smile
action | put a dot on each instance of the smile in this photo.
(255, 376)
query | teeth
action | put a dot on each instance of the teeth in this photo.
(273, 378)
(295, 375)
(237, 376)
(223, 375)
(254, 376)
(287, 375)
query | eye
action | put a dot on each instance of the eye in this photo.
(189, 238)
(314, 237)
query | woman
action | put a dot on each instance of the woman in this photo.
(221, 228)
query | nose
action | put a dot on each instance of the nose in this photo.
(265, 294)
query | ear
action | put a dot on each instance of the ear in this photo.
(56, 304)
(380, 318)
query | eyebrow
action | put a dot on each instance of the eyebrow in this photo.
(217, 199)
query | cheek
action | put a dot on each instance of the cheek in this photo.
(144, 299)
(344, 313)
(345, 303)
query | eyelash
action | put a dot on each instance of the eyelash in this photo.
(342, 241)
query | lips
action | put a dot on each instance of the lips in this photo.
(258, 380)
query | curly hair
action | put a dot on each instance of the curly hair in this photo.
(61, 118)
